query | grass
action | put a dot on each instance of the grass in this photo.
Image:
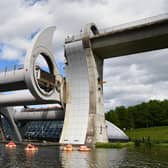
(154, 134)
(114, 144)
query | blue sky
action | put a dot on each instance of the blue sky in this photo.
(33, 2)
(11, 63)
(6, 62)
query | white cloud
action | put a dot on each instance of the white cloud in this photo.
(132, 75)
(10, 53)
(133, 79)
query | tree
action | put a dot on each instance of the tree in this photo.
(152, 113)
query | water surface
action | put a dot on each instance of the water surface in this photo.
(47, 157)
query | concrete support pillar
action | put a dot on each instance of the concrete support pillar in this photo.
(2, 131)
(96, 108)
(7, 112)
(84, 121)
(95, 74)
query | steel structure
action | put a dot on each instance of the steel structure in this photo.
(30, 76)
(81, 93)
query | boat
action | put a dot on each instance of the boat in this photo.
(11, 144)
(84, 148)
(31, 147)
(68, 147)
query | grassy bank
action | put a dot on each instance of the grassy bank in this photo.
(153, 134)
(114, 144)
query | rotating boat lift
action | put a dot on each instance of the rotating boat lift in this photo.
(30, 85)
(33, 85)
(81, 93)
(78, 96)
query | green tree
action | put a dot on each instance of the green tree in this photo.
(152, 113)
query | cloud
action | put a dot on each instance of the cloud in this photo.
(9, 52)
(33, 2)
(130, 79)
(136, 78)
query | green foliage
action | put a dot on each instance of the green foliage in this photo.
(144, 115)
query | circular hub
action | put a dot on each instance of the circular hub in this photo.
(43, 73)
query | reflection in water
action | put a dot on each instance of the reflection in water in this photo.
(74, 159)
(29, 158)
(52, 157)
(146, 157)
(108, 157)
(96, 158)
(8, 157)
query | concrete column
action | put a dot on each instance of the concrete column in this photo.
(7, 112)
(84, 121)
(96, 108)
(1, 130)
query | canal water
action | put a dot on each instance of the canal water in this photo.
(52, 157)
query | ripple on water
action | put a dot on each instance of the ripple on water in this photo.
(47, 157)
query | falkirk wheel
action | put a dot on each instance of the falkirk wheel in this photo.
(80, 120)
(80, 94)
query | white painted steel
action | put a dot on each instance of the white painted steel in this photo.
(42, 45)
(55, 114)
(19, 98)
(11, 76)
(26, 79)
(77, 107)
(115, 133)
(23, 97)
(12, 80)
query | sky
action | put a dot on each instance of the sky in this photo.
(130, 79)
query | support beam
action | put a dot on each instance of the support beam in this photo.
(21, 98)
(144, 35)
(7, 112)
(39, 114)
(12, 80)
(1, 130)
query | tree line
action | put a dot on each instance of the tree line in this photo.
(149, 114)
